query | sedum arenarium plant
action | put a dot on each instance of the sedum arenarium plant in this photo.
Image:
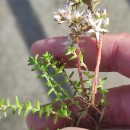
(91, 22)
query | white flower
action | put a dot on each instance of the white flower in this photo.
(58, 18)
(104, 12)
(64, 14)
(96, 28)
(76, 15)
(98, 24)
(100, 13)
(106, 21)
(97, 13)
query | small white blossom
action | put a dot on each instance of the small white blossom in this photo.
(104, 12)
(81, 22)
(64, 14)
(77, 15)
(98, 24)
(58, 18)
(97, 13)
(106, 22)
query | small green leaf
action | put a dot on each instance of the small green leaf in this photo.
(47, 56)
(73, 57)
(33, 60)
(87, 81)
(17, 101)
(62, 67)
(50, 91)
(86, 73)
(72, 73)
(47, 128)
(19, 110)
(5, 113)
(36, 57)
(68, 53)
(91, 77)
(8, 102)
(40, 113)
(59, 94)
(31, 128)
(54, 63)
(35, 68)
(55, 100)
(25, 112)
(70, 50)
(62, 82)
(102, 81)
(81, 56)
(29, 104)
(38, 105)
(47, 115)
(102, 100)
(13, 107)
(48, 83)
(41, 76)
(105, 91)
(74, 93)
(33, 110)
(1, 102)
(27, 108)
(55, 119)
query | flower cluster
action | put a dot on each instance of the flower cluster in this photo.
(98, 22)
(83, 22)
(64, 14)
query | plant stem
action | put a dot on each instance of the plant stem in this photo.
(71, 82)
(76, 41)
(94, 89)
(84, 113)
(97, 127)
(88, 3)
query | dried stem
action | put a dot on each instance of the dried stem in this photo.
(94, 89)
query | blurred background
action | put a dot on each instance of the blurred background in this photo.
(23, 22)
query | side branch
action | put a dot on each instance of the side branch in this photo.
(78, 64)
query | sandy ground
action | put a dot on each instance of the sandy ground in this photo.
(21, 23)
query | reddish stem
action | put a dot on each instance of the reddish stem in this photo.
(78, 63)
(99, 49)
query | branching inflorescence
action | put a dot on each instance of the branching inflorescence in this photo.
(90, 22)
